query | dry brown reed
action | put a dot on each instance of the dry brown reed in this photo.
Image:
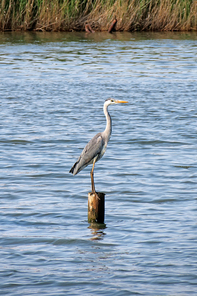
(68, 15)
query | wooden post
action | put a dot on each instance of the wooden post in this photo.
(96, 207)
(112, 26)
(88, 29)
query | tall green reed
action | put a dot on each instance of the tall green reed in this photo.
(58, 15)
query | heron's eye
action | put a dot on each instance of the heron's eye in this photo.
(112, 101)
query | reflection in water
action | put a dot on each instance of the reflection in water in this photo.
(45, 37)
(96, 230)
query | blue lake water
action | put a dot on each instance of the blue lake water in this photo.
(52, 90)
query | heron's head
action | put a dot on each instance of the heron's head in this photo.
(113, 101)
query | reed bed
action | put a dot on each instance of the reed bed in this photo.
(68, 15)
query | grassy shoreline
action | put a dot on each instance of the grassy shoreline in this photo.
(70, 15)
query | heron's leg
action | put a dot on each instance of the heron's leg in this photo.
(92, 176)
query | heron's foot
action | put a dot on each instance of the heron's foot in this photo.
(97, 196)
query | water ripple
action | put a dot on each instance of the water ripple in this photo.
(52, 91)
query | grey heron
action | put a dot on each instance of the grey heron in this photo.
(95, 149)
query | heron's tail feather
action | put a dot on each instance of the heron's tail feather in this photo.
(73, 170)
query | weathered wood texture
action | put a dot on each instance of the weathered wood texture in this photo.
(96, 207)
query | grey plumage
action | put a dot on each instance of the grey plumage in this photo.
(95, 149)
(91, 151)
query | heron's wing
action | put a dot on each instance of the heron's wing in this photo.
(91, 150)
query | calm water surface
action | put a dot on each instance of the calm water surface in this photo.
(52, 89)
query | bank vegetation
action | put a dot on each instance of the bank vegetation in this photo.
(70, 15)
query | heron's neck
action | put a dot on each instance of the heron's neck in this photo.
(108, 130)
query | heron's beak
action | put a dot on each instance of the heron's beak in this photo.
(119, 102)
